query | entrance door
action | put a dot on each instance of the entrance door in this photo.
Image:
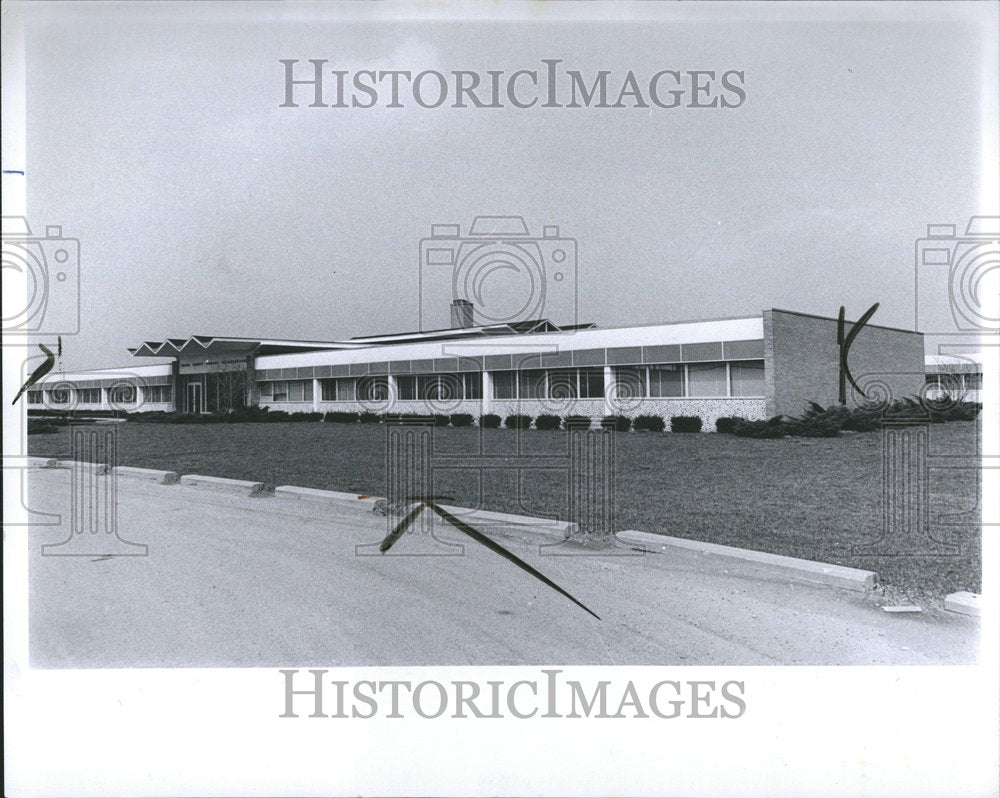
(194, 402)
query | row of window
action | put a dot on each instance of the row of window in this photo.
(119, 394)
(740, 378)
(956, 382)
(287, 391)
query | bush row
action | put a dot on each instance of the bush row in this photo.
(820, 422)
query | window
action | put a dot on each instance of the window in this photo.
(266, 389)
(630, 382)
(531, 384)
(279, 392)
(706, 379)
(152, 394)
(973, 382)
(562, 384)
(59, 396)
(121, 394)
(34, 397)
(504, 385)
(296, 391)
(592, 383)
(666, 381)
(747, 377)
(342, 389)
(373, 389)
(406, 388)
(473, 384)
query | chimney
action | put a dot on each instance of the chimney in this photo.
(461, 314)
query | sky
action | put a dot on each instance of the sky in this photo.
(155, 137)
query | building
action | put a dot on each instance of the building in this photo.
(958, 376)
(755, 367)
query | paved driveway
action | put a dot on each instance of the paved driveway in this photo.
(237, 581)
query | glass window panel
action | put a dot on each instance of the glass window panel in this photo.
(562, 384)
(266, 389)
(473, 385)
(406, 387)
(295, 391)
(669, 381)
(308, 385)
(449, 387)
(504, 385)
(531, 384)
(34, 397)
(592, 383)
(630, 382)
(707, 379)
(747, 377)
(280, 391)
(973, 382)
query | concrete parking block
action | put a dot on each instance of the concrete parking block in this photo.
(964, 602)
(42, 462)
(99, 468)
(241, 486)
(327, 496)
(149, 474)
(823, 573)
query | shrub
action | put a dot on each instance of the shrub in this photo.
(490, 421)
(725, 424)
(305, 416)
(518, 422)
(685, 423)
(276, 415)
(38, 426)
(649, 424)
(544, 421)
(369, 418)
(575, 422)
(617, 423)
(442, 421)
(342, 417)
(246, 414)
(461, 419)
(772, 428)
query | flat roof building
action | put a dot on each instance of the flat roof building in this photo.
(755, 367)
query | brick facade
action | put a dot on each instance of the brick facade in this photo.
(802, 362)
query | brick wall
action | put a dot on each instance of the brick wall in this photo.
(802, 362)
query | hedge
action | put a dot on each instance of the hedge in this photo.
(518, 422)
(685, 423)
(725, 424)
(616, 423)
(649, 424)
(461, 419)
(490, 421)
(544, 421)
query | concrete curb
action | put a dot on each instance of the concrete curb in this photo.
(42, 462)
(823, 573)
(327, 497)
(240, 486)
(101, 469)
(964, 603)
(488, 518)
(149, 474)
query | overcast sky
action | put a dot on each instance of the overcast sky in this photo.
(202, 207)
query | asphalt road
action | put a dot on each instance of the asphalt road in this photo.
(238, 581)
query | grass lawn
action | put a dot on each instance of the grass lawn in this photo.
(820, 499)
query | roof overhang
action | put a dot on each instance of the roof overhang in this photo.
(206, 345)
